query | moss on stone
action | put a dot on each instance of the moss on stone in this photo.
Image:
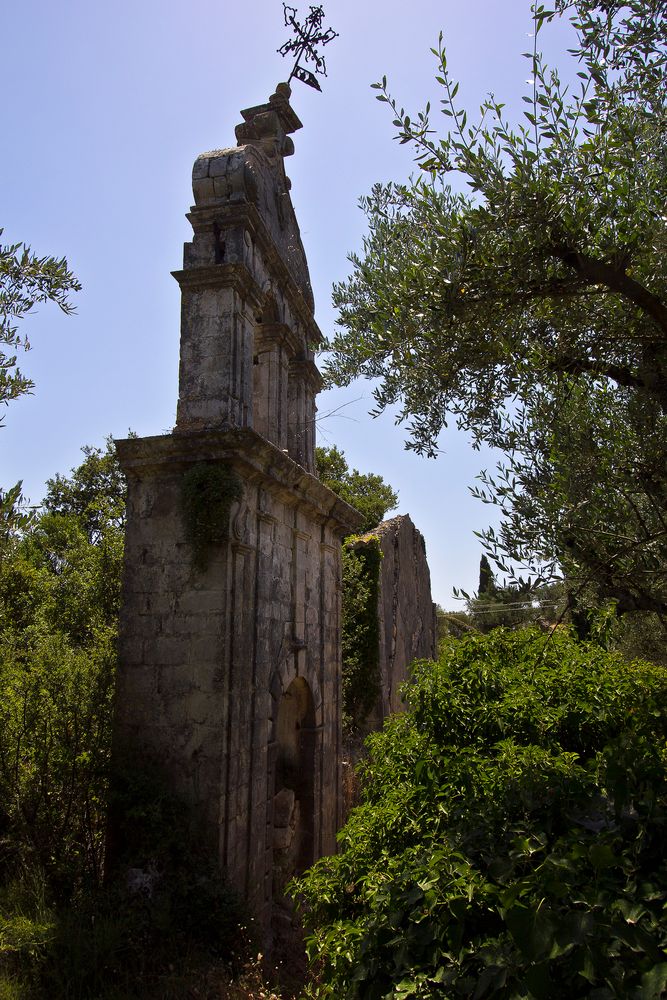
(208, 491)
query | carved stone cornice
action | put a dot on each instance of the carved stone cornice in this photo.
(255, 459)
(245, 215)
(236, 276)
(269, 335)
(307, 371)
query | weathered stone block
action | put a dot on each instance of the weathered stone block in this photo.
(405, 610)
(220, 187)
(204, 190)
(200, 168)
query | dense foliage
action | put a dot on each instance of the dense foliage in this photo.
(360, 629)
(373, 498)
(59, 601)
(533, 309)
(366, 491)
(511, 838)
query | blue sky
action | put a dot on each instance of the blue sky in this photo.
(105, 109)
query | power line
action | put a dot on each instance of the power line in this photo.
(493, 609)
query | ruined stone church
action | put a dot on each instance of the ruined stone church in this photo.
(229, 676)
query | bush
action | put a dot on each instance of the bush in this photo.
(117, 945)
(55, 738)
(510, 841)
(164, 922)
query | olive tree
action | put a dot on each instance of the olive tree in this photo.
(25, 280)
(532, 310)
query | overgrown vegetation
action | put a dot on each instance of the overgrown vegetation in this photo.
(362, 555)
(360, 629)
(59, 602)
(510, 840)
(209, 489)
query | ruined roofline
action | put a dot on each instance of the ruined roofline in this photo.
(385, 527)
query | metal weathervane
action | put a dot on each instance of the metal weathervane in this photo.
(307, 37)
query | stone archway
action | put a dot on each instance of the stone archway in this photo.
(294, 795)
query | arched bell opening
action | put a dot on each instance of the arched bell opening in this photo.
(293, 803)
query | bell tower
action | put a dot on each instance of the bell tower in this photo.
(229, 660)
(247, 325)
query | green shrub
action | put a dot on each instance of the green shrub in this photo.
(119, 945)
(55, 741)
(511, 838)
(154, 931)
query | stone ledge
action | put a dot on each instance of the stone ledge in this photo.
(253, 457)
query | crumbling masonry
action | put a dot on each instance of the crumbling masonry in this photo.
(406, 613)
(229, 675)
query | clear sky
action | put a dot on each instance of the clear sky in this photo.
(105, 108)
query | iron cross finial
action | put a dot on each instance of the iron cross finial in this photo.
(307, 37)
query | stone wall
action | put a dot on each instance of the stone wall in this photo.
(405, 610)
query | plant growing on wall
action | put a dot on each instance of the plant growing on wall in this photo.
(373, 498)
(208, 492)
(360, 628)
